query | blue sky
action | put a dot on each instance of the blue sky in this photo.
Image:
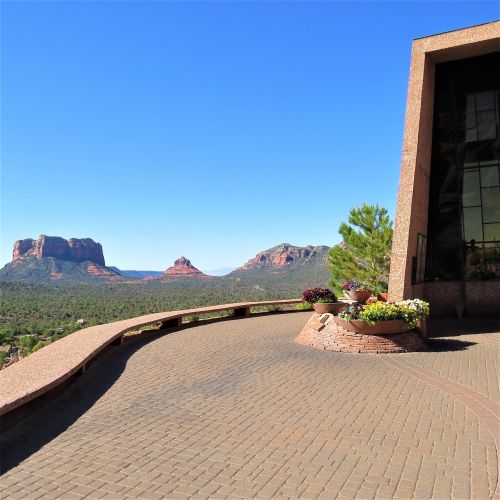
(212, 130)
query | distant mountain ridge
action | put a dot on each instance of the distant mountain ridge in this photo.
(136, 274)
(51, 259)
(286, 266)
(51, 270)
(285, 255)
(54, 259)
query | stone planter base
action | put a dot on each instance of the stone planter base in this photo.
(330, 336)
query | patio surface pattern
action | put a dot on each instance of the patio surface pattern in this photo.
(238, 409)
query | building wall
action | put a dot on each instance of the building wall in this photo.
(413, 193)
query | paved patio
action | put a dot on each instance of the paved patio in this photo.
(238, 409)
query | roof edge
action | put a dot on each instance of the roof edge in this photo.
(458, 29)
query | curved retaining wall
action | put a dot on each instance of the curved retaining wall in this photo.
(47, 368)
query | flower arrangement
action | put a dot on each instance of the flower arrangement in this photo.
(351, 312)
(410, 311)
(355, 286)
(379, 311)
(318, 295)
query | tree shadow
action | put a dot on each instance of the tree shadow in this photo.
(29, 428)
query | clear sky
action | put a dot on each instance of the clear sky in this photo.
(212, 130)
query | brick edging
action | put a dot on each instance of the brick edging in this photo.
(486, 410)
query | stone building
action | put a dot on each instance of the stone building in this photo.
(446, 246)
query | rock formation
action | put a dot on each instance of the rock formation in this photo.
(76, 250)
(100, 271)
(183, 267)
(283, 255)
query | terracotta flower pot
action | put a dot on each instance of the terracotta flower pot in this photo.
(387, 327)
(360, 296)
(328, 307)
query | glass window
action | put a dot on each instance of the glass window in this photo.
(489, 176)
(464, 186)
(473, 224)
(491, 204)
(470, 112)
(471, 135)
(485, 101)
(481, 120)
(486, 125)
(471, 190)
(492, 232)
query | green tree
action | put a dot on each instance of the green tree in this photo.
(364, 254)
(26, 343)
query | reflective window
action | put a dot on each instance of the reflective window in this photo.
(489, 176)
(471, 193)
(473, 224)
(481, 116)
(463, 233)
(480, 199)
(491, 204)
(492, 232)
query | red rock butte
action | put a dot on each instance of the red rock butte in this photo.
(182, 267)
(74, 249)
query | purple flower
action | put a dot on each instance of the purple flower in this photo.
(353, 285)
(314, 295)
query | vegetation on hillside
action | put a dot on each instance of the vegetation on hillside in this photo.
(33, 315)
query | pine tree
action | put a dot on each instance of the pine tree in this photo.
(364, 254)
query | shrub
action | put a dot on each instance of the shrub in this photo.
(26, 343)
(273, 308)
(314, 295)
(39, 345)
(303, 306)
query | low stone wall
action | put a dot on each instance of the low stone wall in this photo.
(331, 337)
(54, 364)
(446, 298)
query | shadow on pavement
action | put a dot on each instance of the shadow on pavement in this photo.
(26, 430)
(453, 327)
(443, 345)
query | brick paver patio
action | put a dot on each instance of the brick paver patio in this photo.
(238, 409)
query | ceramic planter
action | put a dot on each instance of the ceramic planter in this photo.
(328, 307)
(387, 327)
(360, 296)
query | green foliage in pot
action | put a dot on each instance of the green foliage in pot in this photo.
(409, 311)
